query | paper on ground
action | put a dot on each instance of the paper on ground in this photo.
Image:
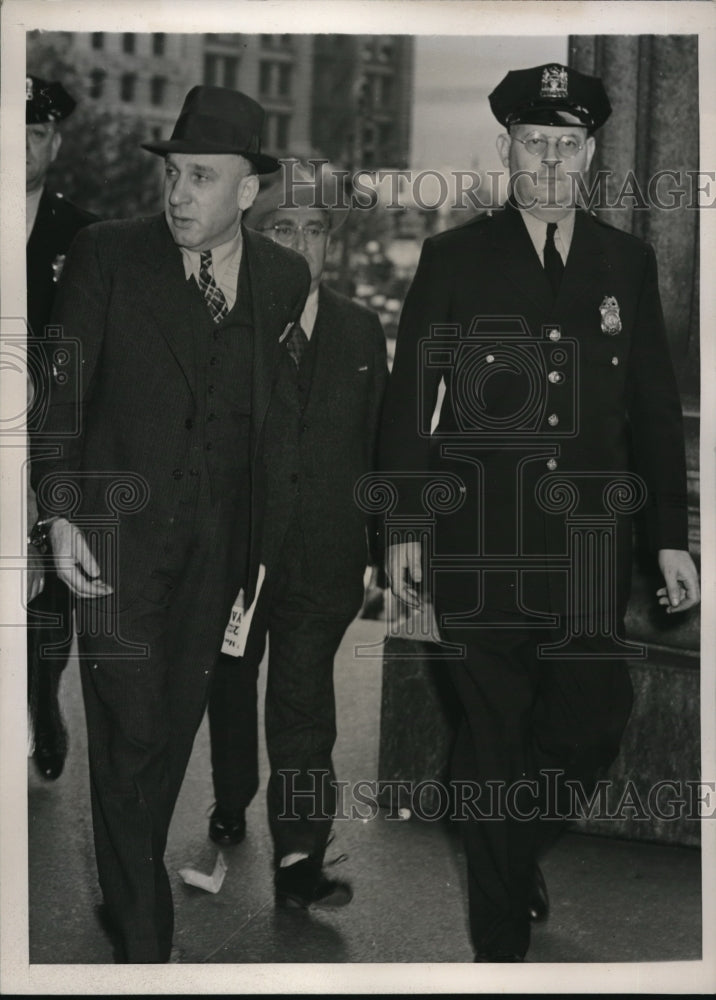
(210, 883)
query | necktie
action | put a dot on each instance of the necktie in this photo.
(296, 343)
(214, 296)
(553, 264)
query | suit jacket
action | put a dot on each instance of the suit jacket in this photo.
(328, 448)
(125, 300)
(56, 224)
(614, 405)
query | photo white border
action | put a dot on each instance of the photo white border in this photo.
(370, 16)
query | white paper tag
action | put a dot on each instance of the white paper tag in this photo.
(209, 883)
(237, 629)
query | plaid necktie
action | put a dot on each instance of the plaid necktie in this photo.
(296, 343)
(553, 263)
(214, 296)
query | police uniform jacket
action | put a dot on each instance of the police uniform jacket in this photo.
(56, 224)
(538, 395)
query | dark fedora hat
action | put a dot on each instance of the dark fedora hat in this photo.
(218, 120)
(299, 185)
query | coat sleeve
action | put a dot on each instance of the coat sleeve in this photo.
(404, 441)
(656, 421)
(80, 311)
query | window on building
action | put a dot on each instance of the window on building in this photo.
(97, 39)
(285, 71)
(127, 86)
(211, 67)
(267, 41)
(231, 65)
(158, 43)
(265, 75)
(220, 71)
(128, 40)
(156, 133)
(96, 86)
(387, 91)
(280, 127)
(157, 89)
(286, 41)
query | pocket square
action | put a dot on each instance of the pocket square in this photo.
(363, 368)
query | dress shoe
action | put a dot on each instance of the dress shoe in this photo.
(225, 829)
(539, 900)
(305, 884)
(50, 748)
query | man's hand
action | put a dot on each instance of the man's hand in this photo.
(35, 573)
(681, 579)
(405, 572)
(74, 563)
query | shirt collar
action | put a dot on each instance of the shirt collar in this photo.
(308, 316)
(537, 229)
(221, 258)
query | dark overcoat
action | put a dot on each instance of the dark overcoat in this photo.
(134, 397)
(316, 458)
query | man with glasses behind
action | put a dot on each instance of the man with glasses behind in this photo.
(320, 438)
(546, 327)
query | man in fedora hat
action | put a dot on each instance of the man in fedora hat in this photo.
(52, 223)
(560, 416)
(153, 507)
(320, 437)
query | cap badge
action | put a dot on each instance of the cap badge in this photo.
(554, 82)
(611, 320)
(29, 88)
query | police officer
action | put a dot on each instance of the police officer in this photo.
(561, 415)
(52, 222)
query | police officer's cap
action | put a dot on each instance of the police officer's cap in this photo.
(46, 101)
(550, 95)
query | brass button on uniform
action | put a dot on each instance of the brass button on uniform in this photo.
(552, 464)
(554, 335)
(490, 358)
(553, 420)
(615, 360)
(555, 377)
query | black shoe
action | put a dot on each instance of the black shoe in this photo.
(227, 830)
(539, 900)
(50, 747)
(305, 884)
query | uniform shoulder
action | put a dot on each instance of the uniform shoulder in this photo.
(67, 209)
(359, 315)
(475, 229)
(618, 236)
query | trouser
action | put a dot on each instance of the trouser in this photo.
(525, 718)
(143, 712)
(48, 649)
(300, 712)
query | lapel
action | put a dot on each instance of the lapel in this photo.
(168, 296)
(586, 263)
(516, 261)
(330, 350)
(41, 229)
(268, 311)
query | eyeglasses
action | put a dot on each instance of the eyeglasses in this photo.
(286, 232)
(536, 145)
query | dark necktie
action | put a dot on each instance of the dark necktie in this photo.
(553, 264)
(296, 343)
(214, 296)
